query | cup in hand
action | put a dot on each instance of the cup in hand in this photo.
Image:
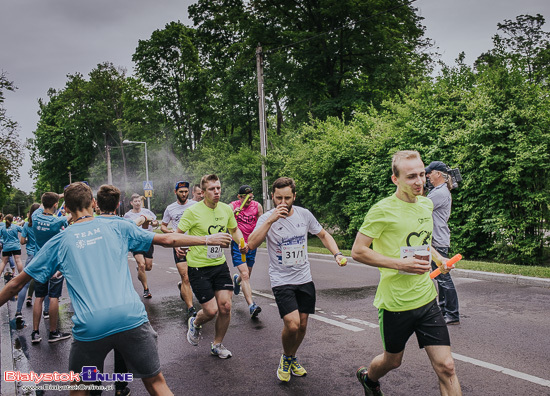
(422, 255)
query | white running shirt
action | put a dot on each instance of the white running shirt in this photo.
(287, 247)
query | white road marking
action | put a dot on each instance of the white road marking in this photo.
(363, 322)
(336, 323)
(503, 370)
(173, 268)
(466, 359)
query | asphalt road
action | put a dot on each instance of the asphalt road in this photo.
(501, 346)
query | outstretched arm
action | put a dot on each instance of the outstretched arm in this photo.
(177, 239)
(13, 287)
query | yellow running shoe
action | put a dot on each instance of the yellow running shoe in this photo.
(283, 372)
(296, 368)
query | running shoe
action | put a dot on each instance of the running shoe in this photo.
(191, 311)
(29, 301)
(236, 285)
(58, 336)
(220, 351)
(35, 337)
(179, 288)
(18, 315)
(8, 276)
(296, 368)
(283, 372)
(46, 314)
(147, 293)
(123, 392)
(362, 377)
(193, 332)
(255, 310)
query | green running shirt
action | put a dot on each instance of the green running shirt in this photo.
(200, 220)
(394, 224)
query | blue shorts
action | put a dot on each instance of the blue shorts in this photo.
(237, 257)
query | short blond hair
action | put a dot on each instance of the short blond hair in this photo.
(400, 156)
(208, 178)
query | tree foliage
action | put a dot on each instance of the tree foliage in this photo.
(81, 121)
(10, 149)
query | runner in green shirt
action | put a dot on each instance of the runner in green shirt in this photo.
(394, 231)
(208, 271)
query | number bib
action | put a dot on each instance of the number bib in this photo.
(214, 252)
(294, 255)
(408, 251)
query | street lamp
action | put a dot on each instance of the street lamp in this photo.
(126, 141)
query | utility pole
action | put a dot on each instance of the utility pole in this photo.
(263, 124)
(109, 174)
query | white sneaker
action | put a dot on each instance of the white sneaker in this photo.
(220, 351)
(193, 332)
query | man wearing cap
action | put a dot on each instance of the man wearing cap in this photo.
(441, 238)
(172, 216)
(247, 212)
(144, 260)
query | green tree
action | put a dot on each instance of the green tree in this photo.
(10, 149)
(80, 122)
(522, 43)
(169, 63)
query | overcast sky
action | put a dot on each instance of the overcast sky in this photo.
(41, 41)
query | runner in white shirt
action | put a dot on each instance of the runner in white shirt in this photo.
(171, 217)
(144, 260)
(286, 228)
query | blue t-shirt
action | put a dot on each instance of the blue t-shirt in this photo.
(93, 257)
(10, 237)
(46, 226)
(31, 240)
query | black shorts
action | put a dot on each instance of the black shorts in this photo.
(206, 280)
(290, 298)
(148, 254)
(51, 288)
(177, 259)
(11, 253)
(426, 322)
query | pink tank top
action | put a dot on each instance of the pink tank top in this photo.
(247, 218)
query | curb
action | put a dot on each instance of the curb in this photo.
(6, 349)
(13, 358)
(480, 275)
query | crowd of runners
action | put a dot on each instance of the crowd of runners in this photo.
(88, 246)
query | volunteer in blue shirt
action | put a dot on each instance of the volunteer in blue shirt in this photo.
(27, 239)
(11, 245)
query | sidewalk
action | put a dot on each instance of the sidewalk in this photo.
(14, 359)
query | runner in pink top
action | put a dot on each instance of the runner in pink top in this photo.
(247, 212)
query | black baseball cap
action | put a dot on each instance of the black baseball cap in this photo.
(436, 165)
(245, 189)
